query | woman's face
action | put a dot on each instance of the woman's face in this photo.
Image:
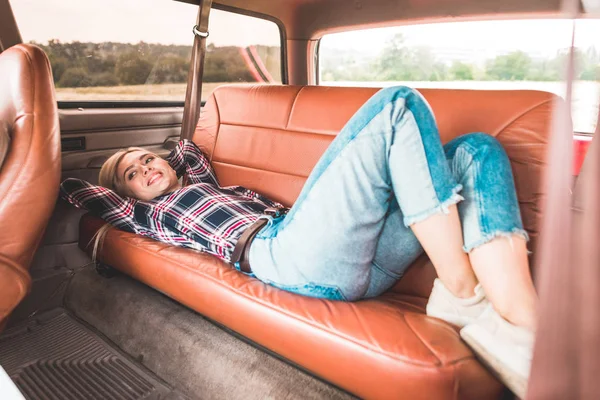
(146, 175)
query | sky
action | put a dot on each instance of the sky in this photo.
(538, 37)
(170, 22)
(132, 21)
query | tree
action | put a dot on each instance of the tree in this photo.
(401, 63)
(74, 77)
(460, 71)
(591, 73)
(132, 69)
(589, 64)
(512, 66)
(169, 69)
(59, 66)
(225, 64)
(396, 61)
(104, 79)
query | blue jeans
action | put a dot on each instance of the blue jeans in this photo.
(347, 236)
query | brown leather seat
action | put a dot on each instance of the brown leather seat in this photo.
(30, 174)
(268, 138)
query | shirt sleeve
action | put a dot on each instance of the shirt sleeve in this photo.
(101, 202)
(188, 158)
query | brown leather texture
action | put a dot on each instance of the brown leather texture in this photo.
(30, 174)
(268, 138)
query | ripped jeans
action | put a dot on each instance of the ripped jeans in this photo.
(347, 236)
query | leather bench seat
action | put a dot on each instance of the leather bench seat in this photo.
(268, 138)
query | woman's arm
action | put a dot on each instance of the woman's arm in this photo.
(188, 158)
(101, 202)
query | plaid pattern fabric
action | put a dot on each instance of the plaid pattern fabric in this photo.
(202, 215)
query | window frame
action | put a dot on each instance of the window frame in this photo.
(103, 104)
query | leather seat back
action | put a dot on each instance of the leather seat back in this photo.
(268, 138)
(30, 174)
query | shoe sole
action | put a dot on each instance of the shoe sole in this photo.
(516, 383)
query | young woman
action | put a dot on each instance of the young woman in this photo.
(384, 191)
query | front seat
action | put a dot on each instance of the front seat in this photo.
(30, 170)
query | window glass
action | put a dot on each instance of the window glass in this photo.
(523, 54)
(130, 50)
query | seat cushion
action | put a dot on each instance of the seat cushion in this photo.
(383, 348)
(268, 138)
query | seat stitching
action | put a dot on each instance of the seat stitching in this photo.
(509, 123)
(293, 106)
(285, 129)
(17, 118)
(456, 385)
(414, 331)
(260, 169)
(212, 153)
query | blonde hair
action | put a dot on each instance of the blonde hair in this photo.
(109, 178)
(98, 240)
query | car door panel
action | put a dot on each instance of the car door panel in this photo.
(100, 132)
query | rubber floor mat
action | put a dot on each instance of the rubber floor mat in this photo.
(53, 356)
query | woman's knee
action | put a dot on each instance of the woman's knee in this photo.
(394, 93)
(479, 146)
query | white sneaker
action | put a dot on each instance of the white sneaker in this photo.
(505, 348)
(444, 305)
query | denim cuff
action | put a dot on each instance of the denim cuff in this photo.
(441, 208)
(490, 236)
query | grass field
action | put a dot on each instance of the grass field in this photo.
(160, 92)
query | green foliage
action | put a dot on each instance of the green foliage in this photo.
(59, 66)
(513, 66)
(460, 71)
(226, 65)
(399, 62)
(340, 66)
(169, 69)
(80, 64)
(591, 73)
(74, 77)
(132, 68)
(104, 79)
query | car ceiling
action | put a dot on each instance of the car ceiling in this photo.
(310, 19)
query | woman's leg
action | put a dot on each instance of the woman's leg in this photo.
(397, 248)
(325, 245)
(502, 268)
(442, 238)
(491, 221)
(495, 241)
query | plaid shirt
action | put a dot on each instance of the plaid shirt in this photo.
(202, 215)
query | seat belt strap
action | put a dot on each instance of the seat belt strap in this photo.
(193, 94)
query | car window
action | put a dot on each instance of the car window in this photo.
(523, 54)
(132, 50)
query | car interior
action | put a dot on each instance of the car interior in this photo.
(147, 320)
